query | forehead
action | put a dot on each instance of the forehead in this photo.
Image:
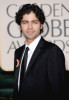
(30, 16)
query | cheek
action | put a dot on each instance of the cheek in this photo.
(38, 28)
(24, 28)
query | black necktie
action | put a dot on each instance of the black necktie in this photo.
(23, 66)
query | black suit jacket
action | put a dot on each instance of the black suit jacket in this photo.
(45, 73)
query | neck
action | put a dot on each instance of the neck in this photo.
(29, 41)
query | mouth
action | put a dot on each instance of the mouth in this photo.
(30, 32)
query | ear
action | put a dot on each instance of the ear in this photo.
(20, 28)
(41, 26)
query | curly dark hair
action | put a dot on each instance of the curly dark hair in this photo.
(26, 9)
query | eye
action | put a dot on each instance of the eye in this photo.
(24, 22)
(35, 22)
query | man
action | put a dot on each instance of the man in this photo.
(43, 75)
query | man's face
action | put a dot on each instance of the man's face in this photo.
(30, 26)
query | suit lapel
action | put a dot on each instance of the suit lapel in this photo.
(20, 53)
(36, 53)
(19, 57)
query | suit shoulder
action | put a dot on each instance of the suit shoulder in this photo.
(53, 49)
(20, 48)
(52, 46)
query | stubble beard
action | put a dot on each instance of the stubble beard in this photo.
(31, 37)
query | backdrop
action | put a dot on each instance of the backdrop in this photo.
(56, 29)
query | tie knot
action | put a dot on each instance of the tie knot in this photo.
(27, 49)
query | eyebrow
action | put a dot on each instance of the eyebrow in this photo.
(31, 20)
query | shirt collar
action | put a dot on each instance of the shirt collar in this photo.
(33, 45)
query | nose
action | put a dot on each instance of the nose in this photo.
(29, 25)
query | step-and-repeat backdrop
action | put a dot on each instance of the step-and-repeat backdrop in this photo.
(56, 31)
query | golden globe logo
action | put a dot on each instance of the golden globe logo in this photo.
(56, 30)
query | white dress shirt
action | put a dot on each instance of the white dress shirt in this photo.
(31, 47)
